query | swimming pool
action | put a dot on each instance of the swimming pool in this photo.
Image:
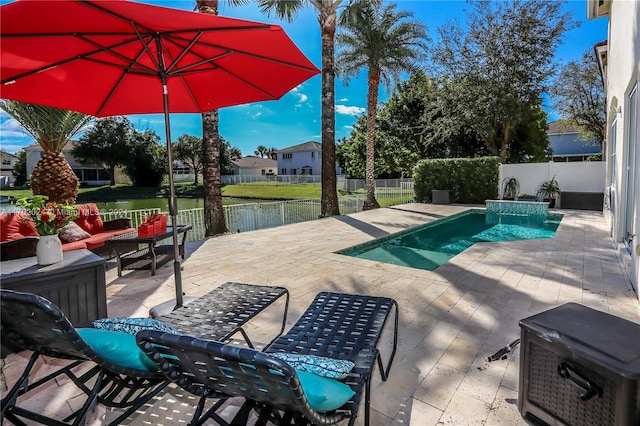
(432, 245)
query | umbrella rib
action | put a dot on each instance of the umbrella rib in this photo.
(120, 80)
(109, 49)
(185, 49)
(240, 52)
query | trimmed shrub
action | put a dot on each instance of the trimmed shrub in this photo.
(473, 180)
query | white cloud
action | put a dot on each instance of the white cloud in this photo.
(12, 129)
(303, 97)
(343, 100)
(348, 127)
(256, 115)
(349, 110)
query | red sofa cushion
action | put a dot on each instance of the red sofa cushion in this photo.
(89, 219)
(13, 228)
(77, 245)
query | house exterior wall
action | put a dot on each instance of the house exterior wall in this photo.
(623, 133)
(253, 171)
(308, 161)
(34, 153)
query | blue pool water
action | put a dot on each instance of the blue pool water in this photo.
(433, 244)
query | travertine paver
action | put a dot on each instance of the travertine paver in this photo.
(451, 319)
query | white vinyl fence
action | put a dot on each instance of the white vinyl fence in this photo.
(254, 216)
(588, 176)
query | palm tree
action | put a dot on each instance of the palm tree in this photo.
(261, 151)
(211, 170)
(52, 128)
(272, 153)
(386, 43)
(328, 17)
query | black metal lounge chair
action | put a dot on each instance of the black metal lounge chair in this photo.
(335, 325)
(34, 323)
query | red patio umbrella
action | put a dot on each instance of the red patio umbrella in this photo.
(116, 57)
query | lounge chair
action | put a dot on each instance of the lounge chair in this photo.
(34, 323)
(335, 325)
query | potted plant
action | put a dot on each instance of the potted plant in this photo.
(510, 188)
(549, 190)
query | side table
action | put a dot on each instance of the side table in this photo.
(76, 285)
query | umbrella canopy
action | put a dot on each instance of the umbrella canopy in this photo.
(116, 57)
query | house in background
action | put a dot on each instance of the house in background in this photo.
(567, 145)
(255, 166)
(619, 59)
(6, 169)
(87, 174)
(301, 159)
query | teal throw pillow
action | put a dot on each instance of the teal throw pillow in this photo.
(132, 325)
(117, 347)
(324, 394)
(319, 365)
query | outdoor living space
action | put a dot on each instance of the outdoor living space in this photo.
(451, 319)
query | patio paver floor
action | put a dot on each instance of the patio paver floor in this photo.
(451, 319)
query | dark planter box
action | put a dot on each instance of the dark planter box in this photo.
(579, 367)
(441, 196)
(583, 200)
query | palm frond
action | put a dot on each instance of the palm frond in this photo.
(51, 127)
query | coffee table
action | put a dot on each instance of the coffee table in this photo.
(150, 256)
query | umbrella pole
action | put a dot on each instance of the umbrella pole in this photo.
(173, 205)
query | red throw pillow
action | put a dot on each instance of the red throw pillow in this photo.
(89, 219)
(13, 228)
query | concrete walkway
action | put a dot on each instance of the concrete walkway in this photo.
(451, 319)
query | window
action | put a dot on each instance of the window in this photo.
(306, 170)
(287, 156)
(103, 175)
(612, 152)
(6, 162)
(263, 172)
(313, 154)
(294, 171)
(283, 171)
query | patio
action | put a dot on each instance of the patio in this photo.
(451, 319)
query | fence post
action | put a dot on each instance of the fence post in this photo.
(255, 217)
(282, 205)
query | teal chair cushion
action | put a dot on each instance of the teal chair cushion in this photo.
(324, 394)
(118, 347)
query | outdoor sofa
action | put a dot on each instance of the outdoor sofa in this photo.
(19, 238)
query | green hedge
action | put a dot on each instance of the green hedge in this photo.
(473, 180)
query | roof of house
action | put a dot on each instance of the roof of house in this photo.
(557, 127)
(305, 146)
(255, 162)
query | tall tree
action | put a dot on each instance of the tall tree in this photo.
(327, 18)
(261, 151)
(229, 154)
(52, 128)
(20, 168)
(214, 221)
(498, 68)
(385, 42)
(147, 165)
(272, 153)
(107, 144)
(578, 95)
(188, 149)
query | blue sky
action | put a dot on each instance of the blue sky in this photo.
(295, 118)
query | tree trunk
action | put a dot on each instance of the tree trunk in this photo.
(329, 202)
(214, 222)
(213, 211)
(112, 175)
(504, 149)
(372, 107)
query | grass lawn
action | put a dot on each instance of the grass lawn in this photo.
(269, 190)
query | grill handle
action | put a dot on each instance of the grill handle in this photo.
(590, 389)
